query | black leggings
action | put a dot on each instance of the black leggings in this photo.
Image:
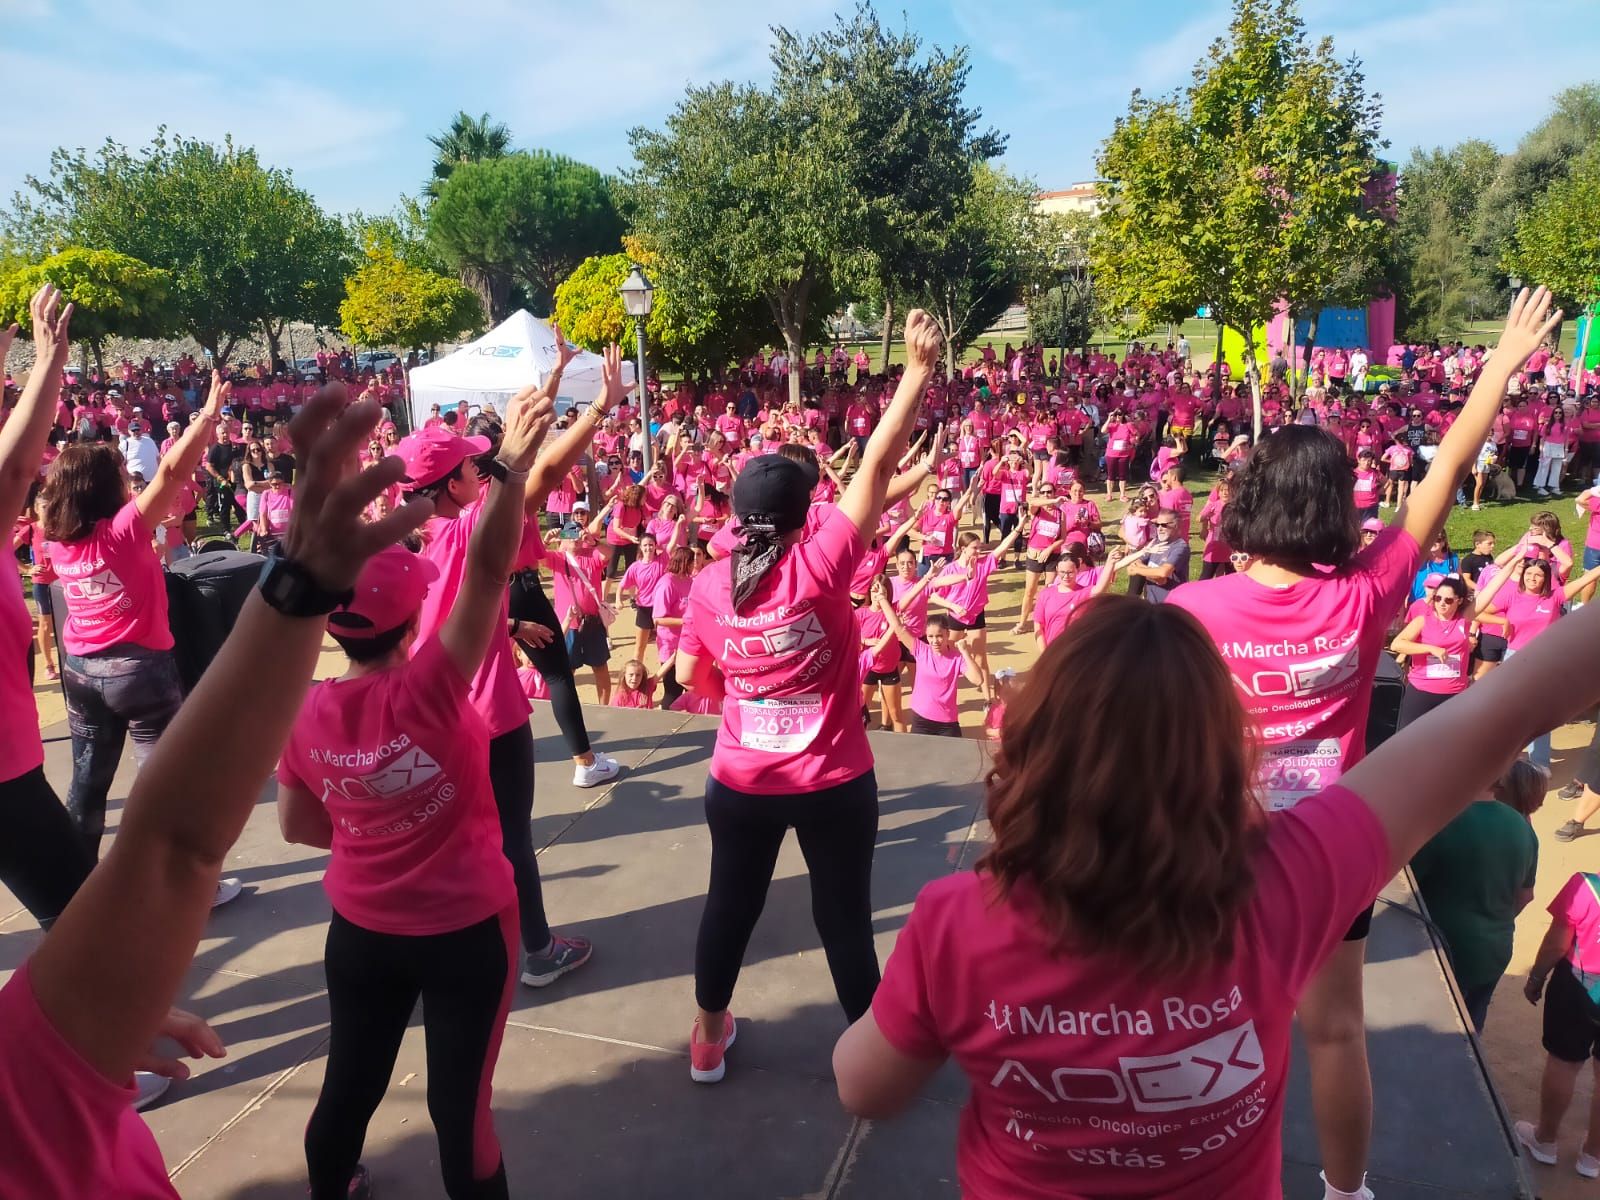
(1210, 570)
(552, 662)
(464, 980)
(43, 860)
(1416, 703)
(511, 778)
(837, 828)
(991, 513)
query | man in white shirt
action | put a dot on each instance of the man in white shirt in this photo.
(1183, 349)
(1358, 370)
(141, 454)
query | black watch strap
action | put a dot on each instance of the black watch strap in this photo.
(289, 587)
(494, 469)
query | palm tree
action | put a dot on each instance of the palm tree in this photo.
(468, 139)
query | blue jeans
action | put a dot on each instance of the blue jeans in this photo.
(125, 690)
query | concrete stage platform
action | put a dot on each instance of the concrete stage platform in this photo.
(592, 1094)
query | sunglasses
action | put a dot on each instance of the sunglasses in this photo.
(1236, 559)
(1447, 599)
(1165, 524)
(945, 498)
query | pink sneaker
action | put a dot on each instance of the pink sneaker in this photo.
(707, 1060)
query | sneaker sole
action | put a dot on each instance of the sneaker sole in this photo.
(598, 780)
(717, 1072)
(547, 980)
(1538, 1155)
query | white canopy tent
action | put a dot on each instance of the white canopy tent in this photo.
(515, 354)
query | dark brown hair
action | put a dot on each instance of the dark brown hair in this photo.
(85, 486)
(1131, 829)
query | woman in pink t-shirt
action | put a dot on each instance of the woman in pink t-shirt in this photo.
(881, 651)
(272, 517)
(118, 671)
(961, 591)
(1077, 580)
(1109, 1010)
(771, 627)
(1122, 439)
(1439, 642)
(388, 767)
(641, 578)
(1304, 627)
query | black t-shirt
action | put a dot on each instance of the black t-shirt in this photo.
(283, 464)
(220, 458)
(1416, 435)
(1472, 566)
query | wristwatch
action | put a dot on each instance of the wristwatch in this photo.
(288, 587)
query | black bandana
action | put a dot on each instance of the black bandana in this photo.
(754, 556)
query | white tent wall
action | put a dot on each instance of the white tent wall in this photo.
(517, 353)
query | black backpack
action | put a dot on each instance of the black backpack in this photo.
(205, 594)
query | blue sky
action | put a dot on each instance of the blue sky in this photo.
(345, 94)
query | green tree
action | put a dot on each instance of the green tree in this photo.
(389, 302)
(1436, 211)
(403, 232)
(982, 260)
(527, 218)
(1248, 188)
(114, 296)
(912, 139)
(1557, 240)
(246, 248)
(1063, 305)
(467, 139)
(1542, 158)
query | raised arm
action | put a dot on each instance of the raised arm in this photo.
(1529, 323)
(23, 436)
(492, 551)
(560, 457)
(1415, 793)
(1486, 595)
(863, 500)
(108, 970)
(178, 464)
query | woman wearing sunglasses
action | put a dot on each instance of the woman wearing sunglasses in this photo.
(1439, 643)
(1046, 534)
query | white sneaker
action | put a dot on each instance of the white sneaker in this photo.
(1587, 1165)
(1541, 1152)
(151, 1088)
(603, 768)
(1477, 508)
(227, 890)
(1329, 1192)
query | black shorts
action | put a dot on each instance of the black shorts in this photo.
(1362, 925)
(1570, 1031)
(921, 724)
(1419, 468)
(981, 621)
(1396, 476)
(1491, 646)
(884, 676)
(1037, 566)
(643, 617)
(1517, 457)
(589, 645)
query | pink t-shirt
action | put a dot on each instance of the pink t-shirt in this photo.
(669, 598)
(533, 685)
(792, 718)
(915, 618)
(1304, 657)
(871, 625)
(568, 576)
(1088, 1082)
(113, 587)
(1446, 678)
(1530, 614)
(642, 577)
(967, 596)
(622, 697)
(1120, 440)
(1575, 904)
(69, 1131)
(668, 533)
(1180, 500)
(1591, 504)
(400, 761)
(275, 509)
(938, 532)
(1054, 610)
(495, 693)
(21, 749)
(933, 692)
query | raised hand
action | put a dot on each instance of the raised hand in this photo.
(565, 353)
(196, 1038)
(1527, 326)
(611, 387)
(218, 397)
(51, 339)
(924, 341)
(327, 535)
(527, 421)
(8, 334)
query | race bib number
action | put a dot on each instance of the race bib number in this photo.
(1118, 445)
(1363, 485)
(780, 726)
(1047, 529)
(933, 542)
(1296, 770)
(1450, 668)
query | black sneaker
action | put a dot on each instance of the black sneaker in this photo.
(1572, 791)
(1570, 831)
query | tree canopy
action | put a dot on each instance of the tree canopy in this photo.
(1251, 187)
(114, 295)
(466, 139)
(389, 302)
(245, 247)
(527, 218)
(1557, 239)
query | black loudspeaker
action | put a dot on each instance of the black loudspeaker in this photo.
(1384, 715)
(205, 594)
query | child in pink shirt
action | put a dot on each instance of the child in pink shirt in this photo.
(637, 688)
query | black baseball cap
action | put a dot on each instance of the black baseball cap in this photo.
(773, 487)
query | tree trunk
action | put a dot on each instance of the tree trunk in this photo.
(888, 327)
(493, 291)
(99, 359)
(950, 351)
(83, 360)
(273, 336)
(796, 353)
(1253, 373)
(1311, 340)
(1295, 389)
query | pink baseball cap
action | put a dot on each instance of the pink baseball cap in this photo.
(388, 593)
(431, 454)
(1433, 580)
(1372, 525)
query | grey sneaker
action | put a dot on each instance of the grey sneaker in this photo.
(566, 954)
(1570, 831)
(151, 1088)
(1572, 791)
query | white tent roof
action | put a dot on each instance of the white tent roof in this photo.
(519, 352)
